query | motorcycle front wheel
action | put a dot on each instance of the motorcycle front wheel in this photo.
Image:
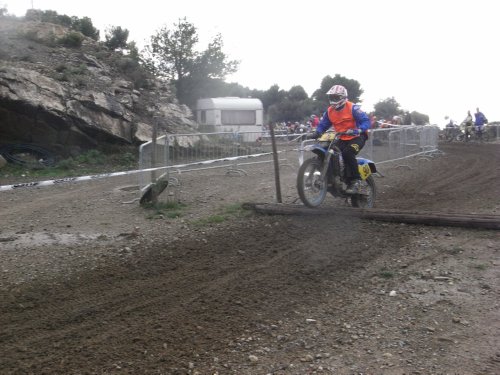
(450, 136)
(311, 185)
(368, 193)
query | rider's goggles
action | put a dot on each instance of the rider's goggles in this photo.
(335, 97)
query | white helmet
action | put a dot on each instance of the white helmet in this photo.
(337, 96)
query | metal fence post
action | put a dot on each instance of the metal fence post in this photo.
(154, 195)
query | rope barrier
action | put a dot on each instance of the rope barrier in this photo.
(65, 180)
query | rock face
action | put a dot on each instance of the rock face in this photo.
(68, 99)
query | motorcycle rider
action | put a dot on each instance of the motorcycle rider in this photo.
(467, 126)
(480, 121)
(345, 116)
(449, 128)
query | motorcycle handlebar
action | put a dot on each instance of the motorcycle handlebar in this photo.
(314, 135)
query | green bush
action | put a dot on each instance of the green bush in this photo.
(74, 74)
(85, 26)
(131, 68)
(72, 39)
(161, 210)
(116, 37)
(128, 158)
(67, 164)
(92, 157)
(61, 68)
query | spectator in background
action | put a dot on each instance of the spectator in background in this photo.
(396, 120)
(373, 121)
(314, 121)
(408, 120)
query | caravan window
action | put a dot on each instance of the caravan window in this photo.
(238, 117)
(203, 116)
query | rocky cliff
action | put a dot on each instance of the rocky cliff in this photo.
(69, 99)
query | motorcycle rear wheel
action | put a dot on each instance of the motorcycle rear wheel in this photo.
(369, 193)
(311, 185)
(485, 137)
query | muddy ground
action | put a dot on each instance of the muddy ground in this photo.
(92, 283)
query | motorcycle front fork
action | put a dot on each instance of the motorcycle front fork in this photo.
(332, 179)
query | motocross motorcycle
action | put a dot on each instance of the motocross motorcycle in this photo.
(454, 133)
(470, 133)
(325, 173)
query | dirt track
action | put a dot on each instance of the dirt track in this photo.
(91, 285)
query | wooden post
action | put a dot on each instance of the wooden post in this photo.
(276, 165)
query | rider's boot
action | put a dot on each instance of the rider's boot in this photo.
(353, 187)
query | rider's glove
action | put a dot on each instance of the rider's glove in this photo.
(352, 132)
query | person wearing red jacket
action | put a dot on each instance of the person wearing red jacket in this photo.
(314, 121)
(347, 117)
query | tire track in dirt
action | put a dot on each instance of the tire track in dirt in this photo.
(208, 278)
(217, 292)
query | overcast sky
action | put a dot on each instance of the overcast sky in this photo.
(437, 57)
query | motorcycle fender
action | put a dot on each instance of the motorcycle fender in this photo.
(316, 150)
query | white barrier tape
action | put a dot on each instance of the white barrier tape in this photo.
(105, 175)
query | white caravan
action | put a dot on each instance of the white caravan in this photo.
(230, 114)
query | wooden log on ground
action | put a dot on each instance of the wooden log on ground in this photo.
(483, 221)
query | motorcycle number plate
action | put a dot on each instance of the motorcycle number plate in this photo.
(327, 137)
(364, 171)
